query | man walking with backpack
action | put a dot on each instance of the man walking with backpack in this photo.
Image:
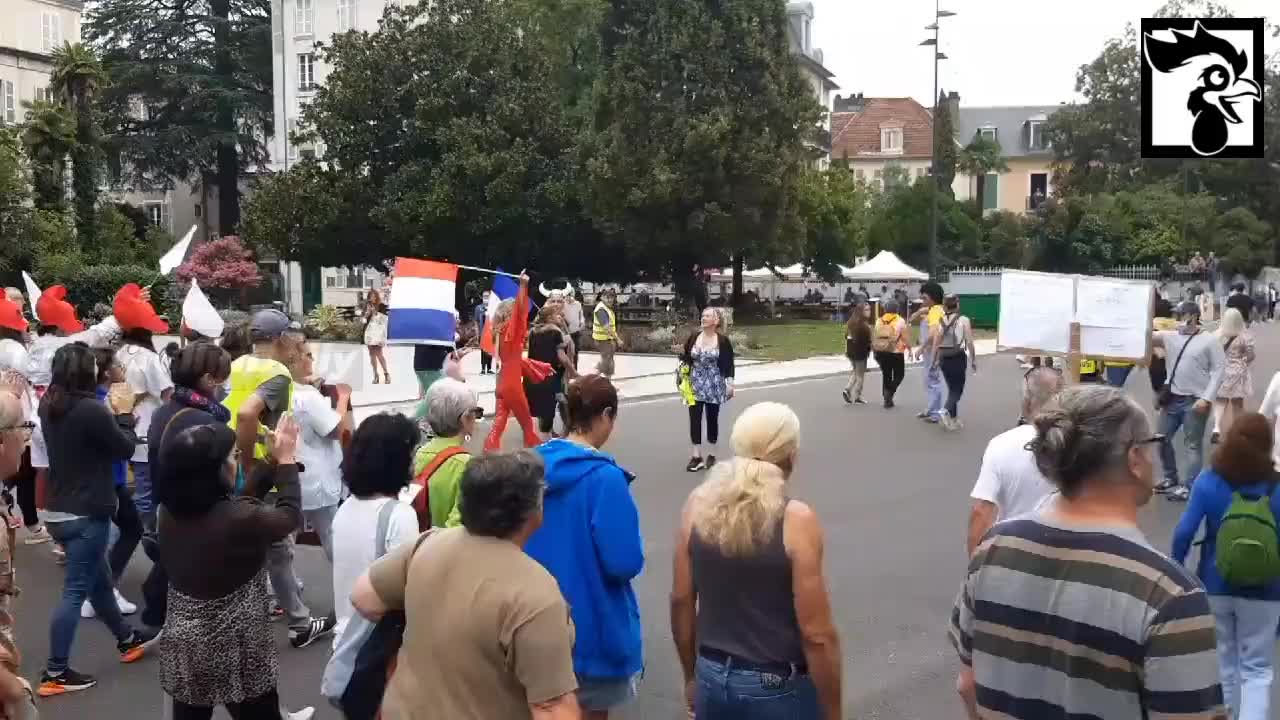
(1237, 500)
(889, 343)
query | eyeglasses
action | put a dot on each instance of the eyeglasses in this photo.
(1157, 438)
(27, 426)
(477, 413)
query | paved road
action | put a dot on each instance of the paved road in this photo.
(891, 492)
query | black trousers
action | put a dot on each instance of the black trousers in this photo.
(712, 411)
(893, 367)
(24, 481)
(127, 520)
(954, 369)
(266, 707)
(577, 343)
(486, 362)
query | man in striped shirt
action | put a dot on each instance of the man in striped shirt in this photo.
(1070, 613)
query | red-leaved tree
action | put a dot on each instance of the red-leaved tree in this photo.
(222, 264)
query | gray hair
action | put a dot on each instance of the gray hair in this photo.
(447, 401)
(1084, 432)
(1041, 385)
(499, 492)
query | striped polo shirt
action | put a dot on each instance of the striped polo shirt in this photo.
(1084, 622)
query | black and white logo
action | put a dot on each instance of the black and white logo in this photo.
(1202, 88)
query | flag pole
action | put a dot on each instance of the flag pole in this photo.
(487, 270)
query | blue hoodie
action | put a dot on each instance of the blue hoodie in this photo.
(590, 542)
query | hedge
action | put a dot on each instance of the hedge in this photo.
(90, 285)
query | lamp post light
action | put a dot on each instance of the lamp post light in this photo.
(938, 56)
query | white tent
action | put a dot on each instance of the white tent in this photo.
(885, 266)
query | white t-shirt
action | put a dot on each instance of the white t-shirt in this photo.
(149, 379)
(1271, 409)
(1009, 476)
(355, 530)
(320, 454)
(39, 451)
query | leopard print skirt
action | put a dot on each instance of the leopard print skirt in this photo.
(215, 652)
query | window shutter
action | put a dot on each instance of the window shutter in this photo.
(46, 32)
(991, 192)
(10, 103)
(1026, 135)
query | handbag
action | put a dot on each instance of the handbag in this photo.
(355, 678)
(1165, 396)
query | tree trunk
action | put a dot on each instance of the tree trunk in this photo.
(228, 167)
(739, 264)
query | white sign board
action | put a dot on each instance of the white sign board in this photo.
(1036, 311)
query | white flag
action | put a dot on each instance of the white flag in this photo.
(33, 292)
(177, 253)
(198, 313)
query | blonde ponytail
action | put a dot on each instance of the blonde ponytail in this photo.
(737, 508)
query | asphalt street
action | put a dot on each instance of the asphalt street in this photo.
(892, 493)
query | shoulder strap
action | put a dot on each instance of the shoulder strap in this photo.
(1181, 352)
(420, 505)
(384, 522)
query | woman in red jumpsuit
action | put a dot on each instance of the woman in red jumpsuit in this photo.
(515, 367)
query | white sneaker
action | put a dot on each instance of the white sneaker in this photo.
(304, 714)
(37, 535)
(126, 607)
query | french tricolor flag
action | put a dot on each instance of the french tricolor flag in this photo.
(421, 308)
(504, 288)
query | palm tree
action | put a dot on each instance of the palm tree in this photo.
(77, 75)
(978, 159)
(49, 136)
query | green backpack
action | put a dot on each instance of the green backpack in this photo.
(1248, 552)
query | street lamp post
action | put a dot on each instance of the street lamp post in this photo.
(938, 56)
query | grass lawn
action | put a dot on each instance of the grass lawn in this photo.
(801, 339)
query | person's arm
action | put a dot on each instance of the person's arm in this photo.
(802, 535)
(1271, 400)
(982, 516)
(728, 363)
(101, 335)
(1217, 367)
(1250, 351)
(960, 632)
(1185, 531)
(615, 530)
(541, 654)
(564, 707)
(684, 601)
(248, 422)
(986, 498)
(114, 433)
(969, 342)
(1180, 673)
(271, 523)
(381, 588)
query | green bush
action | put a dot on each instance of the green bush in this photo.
(92, 284)
(328, 322)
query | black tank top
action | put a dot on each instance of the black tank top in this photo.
(745, 604)
(544, 342)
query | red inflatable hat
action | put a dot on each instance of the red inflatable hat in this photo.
(53, 309)
(134, 313)
(11, 315)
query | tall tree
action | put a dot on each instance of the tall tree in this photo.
(948, 153)
(700, 117)
(445, 135)
(837, 216)
(77, 76)
(980, 158)
(49, 136)
(191, 96)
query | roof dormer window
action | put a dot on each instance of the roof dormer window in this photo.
(988, 133)
(891, 140)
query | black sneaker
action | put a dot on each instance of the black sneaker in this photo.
(67, 681)
(847, 397)
(710, 463)
(695, 464)
(136, 646)
(314, 630)
(1165, 486)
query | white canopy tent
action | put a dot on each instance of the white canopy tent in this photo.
(884, 266)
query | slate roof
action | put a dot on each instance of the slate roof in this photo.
(1010, 123)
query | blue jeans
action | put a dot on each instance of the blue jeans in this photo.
(142, 495)
(1181, 414)
(1117, 376)
(88, 576)
(1246, 653)
(725, 693)
(935, 388)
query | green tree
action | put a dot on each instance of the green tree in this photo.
(1006, 240)
(901, 224)
(1243, 243)
(700, 117)
(836, 211)
(15, 216)
(981, 157)
(190, 97)
(948, 153)
(76, 78)
(49, 136)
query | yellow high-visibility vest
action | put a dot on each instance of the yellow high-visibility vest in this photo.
(248, 373)
(600, 333)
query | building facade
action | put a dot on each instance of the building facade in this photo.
(30, 30)
(882, 140)
(1019, 130)
(800, 38)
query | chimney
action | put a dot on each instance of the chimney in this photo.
(853, 103)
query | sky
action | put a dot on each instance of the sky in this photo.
(1002, 52)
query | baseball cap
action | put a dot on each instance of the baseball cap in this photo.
(53, 309)
(11, 315)
(134, 313)
(268, 325)
(1186, 309)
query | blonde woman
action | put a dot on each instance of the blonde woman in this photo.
(1237, 378)
(750, 613)
(375, 333)
(708, 353)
